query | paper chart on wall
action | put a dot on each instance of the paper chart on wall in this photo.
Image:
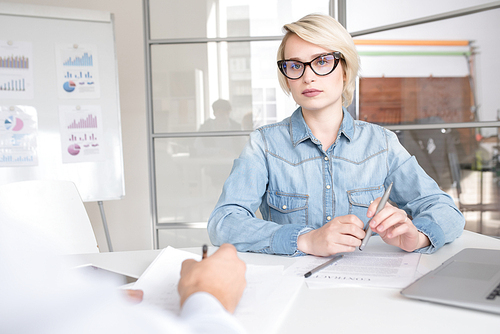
(266, 299)
(16, 70)
(77, 72)
(18, 136)
(375, 269)
(81, 133)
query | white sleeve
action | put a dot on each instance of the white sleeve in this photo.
(41, 294)
(205, 314)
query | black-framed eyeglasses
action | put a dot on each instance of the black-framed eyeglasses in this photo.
(321, 65)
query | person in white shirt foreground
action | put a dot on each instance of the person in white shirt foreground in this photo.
(42, 293)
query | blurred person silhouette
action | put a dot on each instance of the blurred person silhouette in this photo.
(220, 150)
(42, 292)
(222, 121)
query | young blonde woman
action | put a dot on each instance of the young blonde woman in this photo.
(318, 175)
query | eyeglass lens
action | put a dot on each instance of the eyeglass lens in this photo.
(321, 65)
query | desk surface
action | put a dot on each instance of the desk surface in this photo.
(348, 309)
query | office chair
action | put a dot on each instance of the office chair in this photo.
(51, 207)
(464, 207)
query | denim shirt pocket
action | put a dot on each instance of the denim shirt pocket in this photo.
(360, 199)
(285, 208)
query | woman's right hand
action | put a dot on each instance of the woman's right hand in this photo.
(341, 234)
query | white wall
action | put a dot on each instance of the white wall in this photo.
(129, 219)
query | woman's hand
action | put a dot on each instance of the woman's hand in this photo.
(395, 228)
(341, 234)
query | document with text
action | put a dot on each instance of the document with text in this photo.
(375, 269)
(265, 300)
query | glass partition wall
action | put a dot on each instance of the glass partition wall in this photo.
(212, 79)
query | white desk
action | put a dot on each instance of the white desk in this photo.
(349, 309)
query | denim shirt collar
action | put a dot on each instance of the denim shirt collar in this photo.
(299, 130)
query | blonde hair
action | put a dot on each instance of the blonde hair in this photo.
(326, 32)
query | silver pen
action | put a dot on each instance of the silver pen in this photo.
(321, 266)
(380, 206)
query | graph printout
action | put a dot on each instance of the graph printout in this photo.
(18, 136)
(77, 72)
(81, 133)
(16, 70)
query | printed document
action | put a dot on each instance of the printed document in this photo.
(375, 269)
(267, 296)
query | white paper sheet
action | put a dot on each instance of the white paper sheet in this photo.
(16, 70)
(265, 300)
(375, 269)
(18, 136)
(77, 71)
(81, 129)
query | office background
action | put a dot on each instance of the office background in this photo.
(171, 187)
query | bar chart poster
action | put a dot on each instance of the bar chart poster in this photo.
(81, 133)
(18, 136)
(16, 70)
(77, 72)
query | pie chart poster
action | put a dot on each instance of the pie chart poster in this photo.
(81, 133)
(18, 136)
(77, 72)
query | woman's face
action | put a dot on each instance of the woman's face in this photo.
(311, 91)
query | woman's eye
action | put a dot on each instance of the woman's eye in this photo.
(296, 66)
(322, 61)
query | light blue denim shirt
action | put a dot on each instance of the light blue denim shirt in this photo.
(298, 187)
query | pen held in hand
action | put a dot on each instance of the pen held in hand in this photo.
(381, 205)
(204, 252)
(324, 265)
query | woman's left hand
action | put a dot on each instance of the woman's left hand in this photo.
(395, 228)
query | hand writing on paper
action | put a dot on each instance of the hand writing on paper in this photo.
(395, 228)
(341, 234)
(221, 274)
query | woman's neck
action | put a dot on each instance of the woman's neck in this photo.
(324, 125)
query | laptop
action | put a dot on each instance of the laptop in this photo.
(470, 279)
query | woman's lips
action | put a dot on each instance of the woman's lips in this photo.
(311, 92)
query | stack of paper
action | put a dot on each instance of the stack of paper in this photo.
(266, 299)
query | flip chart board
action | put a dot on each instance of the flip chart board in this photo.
(59, 99)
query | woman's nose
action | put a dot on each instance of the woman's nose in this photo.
(309, 75)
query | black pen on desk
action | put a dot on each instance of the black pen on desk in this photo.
(380, 206)
(204, 252)
(324, 265)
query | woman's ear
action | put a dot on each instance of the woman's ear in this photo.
(344, 73)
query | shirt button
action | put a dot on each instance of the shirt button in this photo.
(328, 218)
(284, 207)
(326, 158)
(328, 187)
